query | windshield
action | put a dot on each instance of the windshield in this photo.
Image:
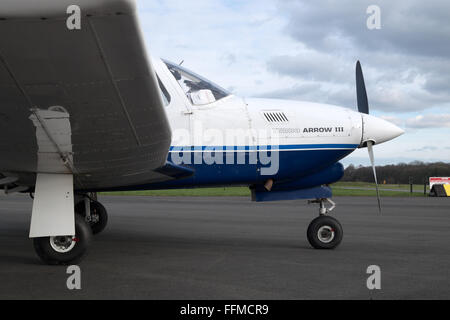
(198, 89)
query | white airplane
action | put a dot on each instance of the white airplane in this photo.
(83, 109)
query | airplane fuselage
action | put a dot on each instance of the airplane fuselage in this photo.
(226, 141)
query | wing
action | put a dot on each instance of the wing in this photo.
(79, 100)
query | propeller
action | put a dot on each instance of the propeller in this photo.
(361, 93)
(372, 161)
(363, 107)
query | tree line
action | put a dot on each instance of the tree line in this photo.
(415, 172)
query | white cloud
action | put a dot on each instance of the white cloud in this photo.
(429, 121)
(397, 121)
(406, 63)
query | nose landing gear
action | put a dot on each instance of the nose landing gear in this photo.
(324, 232)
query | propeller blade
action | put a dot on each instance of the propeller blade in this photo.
(361, 93)
(372, 160)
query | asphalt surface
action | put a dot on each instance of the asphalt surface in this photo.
(381, 189)
(231, 248)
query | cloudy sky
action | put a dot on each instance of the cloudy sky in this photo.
(306, 50)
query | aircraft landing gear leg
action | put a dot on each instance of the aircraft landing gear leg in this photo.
(324, 232)
(97, 216)
(59, 235)
(65, 249)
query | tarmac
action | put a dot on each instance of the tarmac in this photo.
(232, 248)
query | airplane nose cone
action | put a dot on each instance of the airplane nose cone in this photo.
(379, 130)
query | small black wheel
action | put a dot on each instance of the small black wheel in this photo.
(99, 215)
(325, 232)
(65, 250)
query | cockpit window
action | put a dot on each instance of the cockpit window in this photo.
(199, 90)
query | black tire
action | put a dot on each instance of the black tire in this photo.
(49, 255)
(99, 215)
(325, 232)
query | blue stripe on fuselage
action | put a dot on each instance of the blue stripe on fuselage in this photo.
(263, 148)
(293, 164)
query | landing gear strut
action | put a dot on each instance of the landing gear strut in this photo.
(97, 216)
(62, 223)
(68, 249)
(324, 232)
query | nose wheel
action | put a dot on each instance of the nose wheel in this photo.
(324, 232)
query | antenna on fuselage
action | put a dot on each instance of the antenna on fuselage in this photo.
(181, 62)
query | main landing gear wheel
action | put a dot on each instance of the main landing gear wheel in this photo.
(325, 232)
(65, 249)
(98, 218)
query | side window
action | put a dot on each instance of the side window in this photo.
(164, 93)
(198, 90)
